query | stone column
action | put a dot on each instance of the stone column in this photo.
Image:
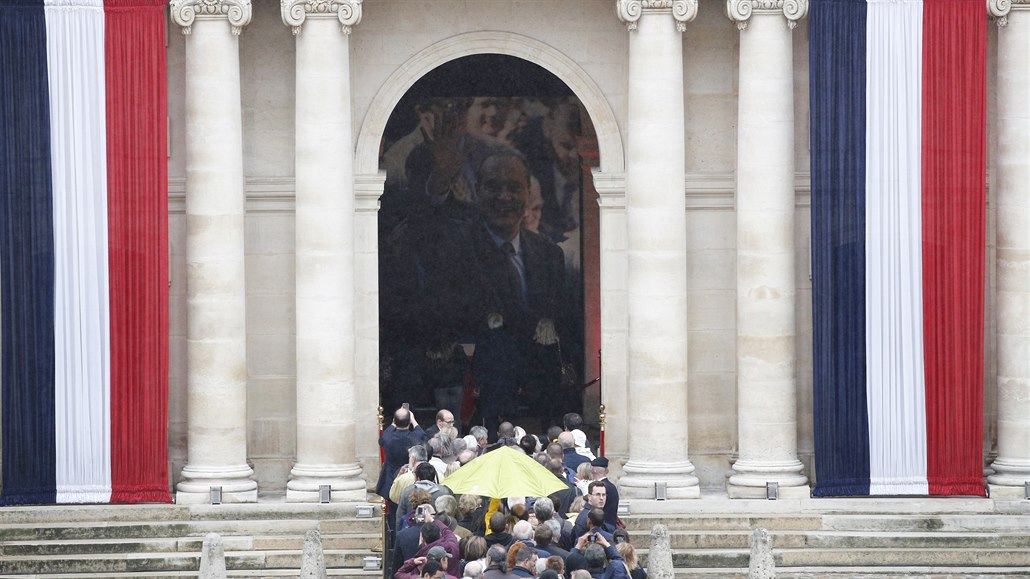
(216, 326)
(611, 190)
(766, 333)
(368, 189)
(656, 224)
(1012, 467)
(324, 252)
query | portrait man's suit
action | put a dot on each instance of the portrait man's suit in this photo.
(544, 267)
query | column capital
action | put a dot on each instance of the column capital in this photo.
(999, 9)
(740, 11)
(295, 12)
(630, 11)
(185, 12)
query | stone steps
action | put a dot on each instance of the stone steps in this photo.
(865, 522)
(900, 573)
(365, 542)
(723, 522)
(93, 563)
(874, 557)
(266, 540)
(942, 523)
(741, 539)
(341, 573)
(260, 540)
(104, 530)
(862, 544)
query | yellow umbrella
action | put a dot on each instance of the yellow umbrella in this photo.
(501, 473)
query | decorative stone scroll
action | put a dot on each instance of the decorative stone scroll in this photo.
(740, 11)
(185, 12)
(295, 12)
(999, 9)
(683, 11)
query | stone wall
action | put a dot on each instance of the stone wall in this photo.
(393, 31)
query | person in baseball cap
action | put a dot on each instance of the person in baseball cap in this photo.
(435, 558)
(438, 554)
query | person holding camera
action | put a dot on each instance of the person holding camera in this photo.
(602, 559)
(396, 439)
(434, 538)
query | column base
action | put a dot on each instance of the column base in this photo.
(639, 478)
(1009, 478)
(749, 492)
(749, 479)
(235, 481)
(346, 481)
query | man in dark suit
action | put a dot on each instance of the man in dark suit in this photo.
(521, 272)
(591, 518)
(599, 471)
(514, 272)
(396, 440)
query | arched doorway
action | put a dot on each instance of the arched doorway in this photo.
(458, 318)
(609, 179)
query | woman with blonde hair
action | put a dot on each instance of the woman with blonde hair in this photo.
(584, 477)
(629, 557)
(451, 469)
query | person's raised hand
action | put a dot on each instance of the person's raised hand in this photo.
(447, 129)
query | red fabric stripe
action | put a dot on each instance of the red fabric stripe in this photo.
(954, 168)
(137, 167)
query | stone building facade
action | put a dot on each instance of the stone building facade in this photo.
(277, 112)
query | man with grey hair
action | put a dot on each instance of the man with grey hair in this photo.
(543, 509)
(482, 436)
(523, 533)
(446, 504)
(497, 561)
(465, 456)
(473, 570)
(570, 458)
(443, 449)
(417, 454)
(544, 536)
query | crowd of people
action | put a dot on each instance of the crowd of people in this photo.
(574, 533)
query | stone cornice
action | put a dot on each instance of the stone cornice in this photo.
(702, 191)
(999, 9)
(185, 12)
(367, 191)
(740, 11)
(295, 12)
(683, 11)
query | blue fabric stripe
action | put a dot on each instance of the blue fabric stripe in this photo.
(837, 51)
(26, 257)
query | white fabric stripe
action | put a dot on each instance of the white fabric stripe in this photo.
(894, 290)
(75, 57)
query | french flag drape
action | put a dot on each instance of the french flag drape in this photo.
(83, 251)
(898, 91)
